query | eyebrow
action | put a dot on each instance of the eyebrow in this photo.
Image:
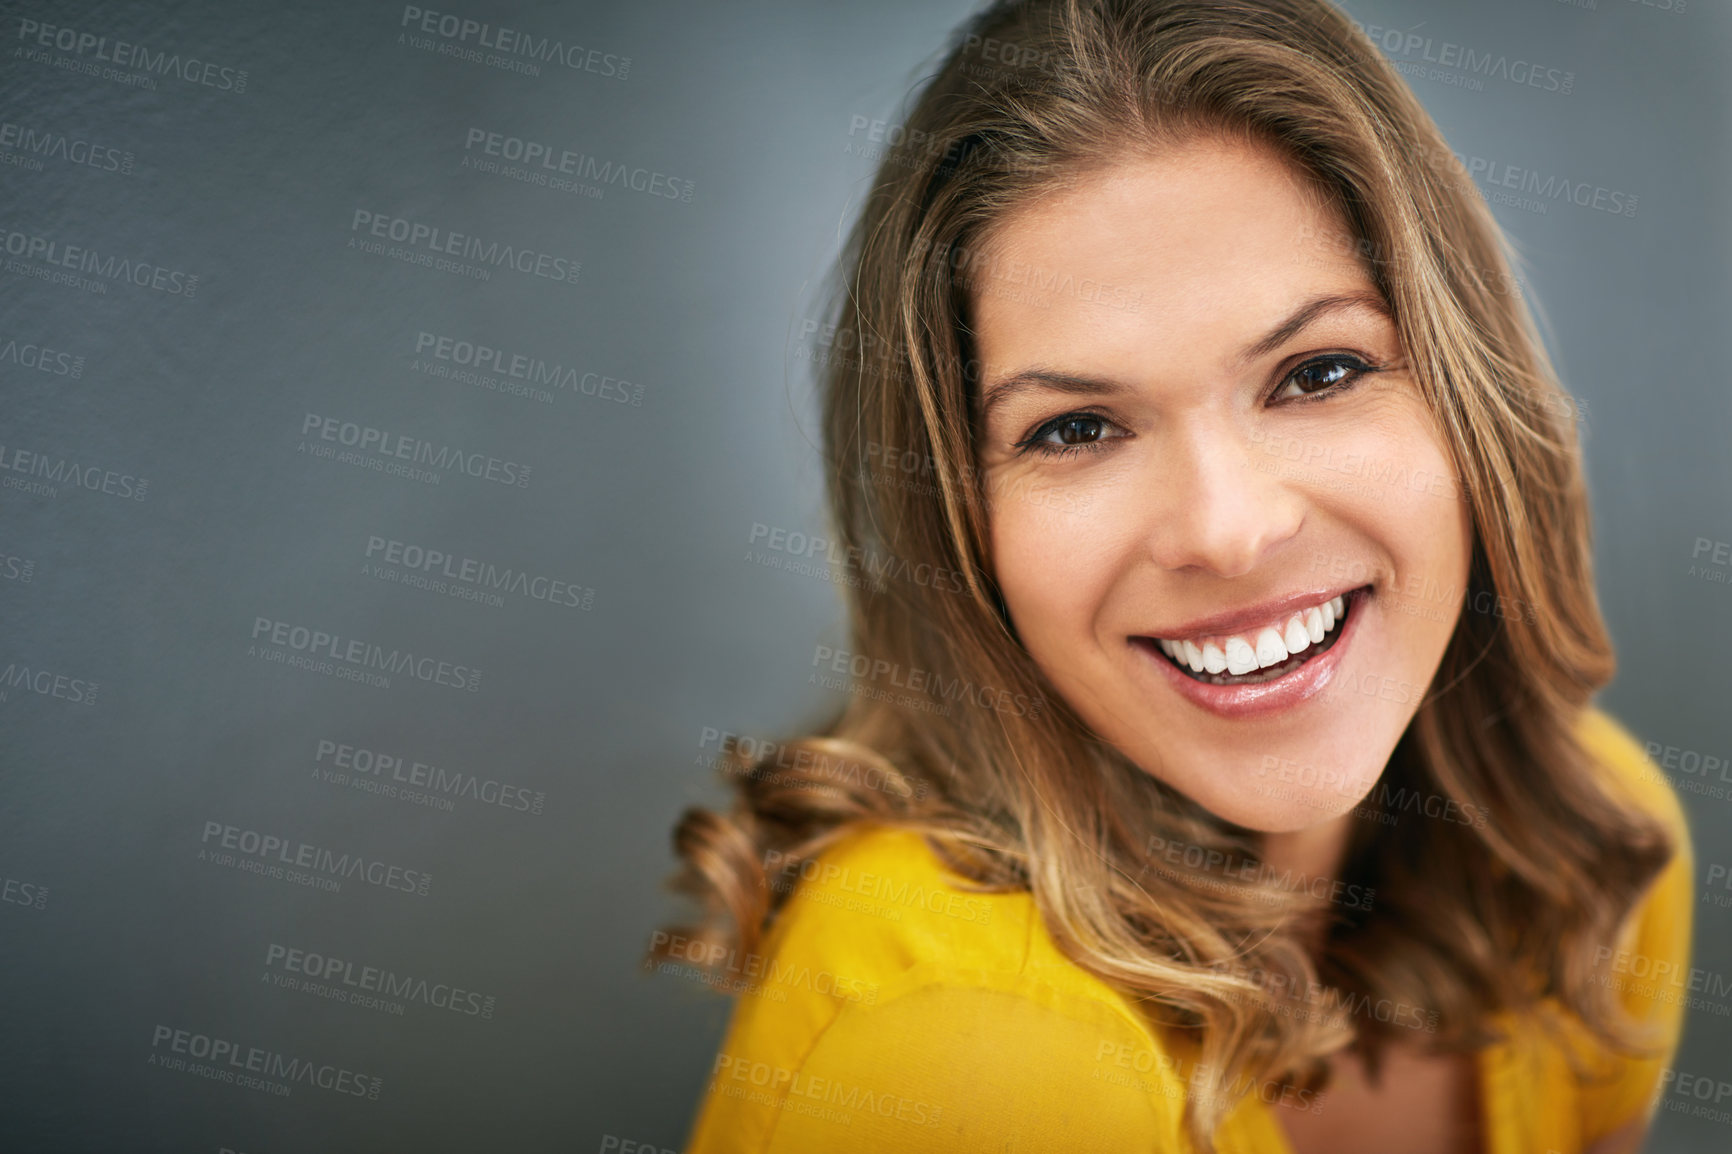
(1071, 383)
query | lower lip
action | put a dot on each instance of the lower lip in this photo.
(1264, 697)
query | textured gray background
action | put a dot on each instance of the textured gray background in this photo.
(112, 925)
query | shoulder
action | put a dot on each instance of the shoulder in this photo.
(920, 1014)
(882, 904)
(880, 901)
(1649, 965)
(1660, 925)
(1627, 762)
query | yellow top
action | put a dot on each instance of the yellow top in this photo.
(898, 1012)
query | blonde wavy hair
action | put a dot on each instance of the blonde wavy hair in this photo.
(1473, 918)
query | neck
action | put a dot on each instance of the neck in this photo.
(1313, 852)
(1305, 855)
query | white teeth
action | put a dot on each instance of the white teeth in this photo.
(1270, 650)
(1257, 648)
(1213, 659)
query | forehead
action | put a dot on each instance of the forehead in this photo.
(1195, 244)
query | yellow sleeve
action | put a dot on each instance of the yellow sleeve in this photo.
(947, 1068)
(1651, 965)
(1011, 1065)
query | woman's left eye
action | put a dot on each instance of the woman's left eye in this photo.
(1322, 375)
(1071, 433)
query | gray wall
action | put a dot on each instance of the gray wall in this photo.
(158, 721)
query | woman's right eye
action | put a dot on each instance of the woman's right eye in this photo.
(1068, 434)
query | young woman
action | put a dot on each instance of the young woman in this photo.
(1221, 772)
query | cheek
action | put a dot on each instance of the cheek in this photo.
(1398, 492)
(1425, 515)
(1055, 561)
(1392, 478)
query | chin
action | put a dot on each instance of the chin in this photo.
(1279, 789)
(1287, 752)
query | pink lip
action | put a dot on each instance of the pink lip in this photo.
(1239, 620)
(1303, 683)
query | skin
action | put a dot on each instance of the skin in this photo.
(1177, 499)
(1181, 500)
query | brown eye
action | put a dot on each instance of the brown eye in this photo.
(1070, 433)
(1078, 430)
(1320, 376)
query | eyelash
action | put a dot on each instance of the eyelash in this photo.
(1358, 369)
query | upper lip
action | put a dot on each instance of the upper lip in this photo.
(1262, 613)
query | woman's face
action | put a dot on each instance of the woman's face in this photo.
(1202, 445)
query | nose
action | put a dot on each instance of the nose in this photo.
(1222, 506)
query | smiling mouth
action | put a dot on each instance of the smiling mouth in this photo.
(1263, 653)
